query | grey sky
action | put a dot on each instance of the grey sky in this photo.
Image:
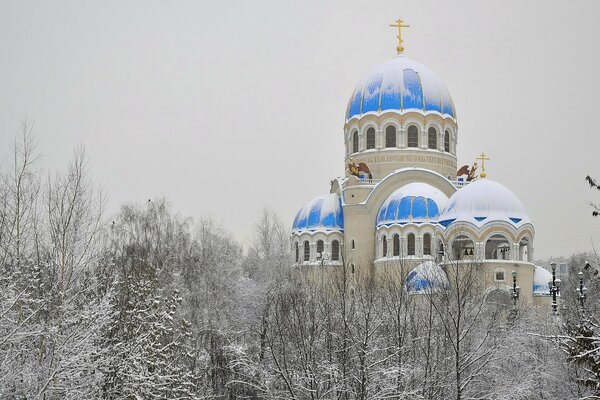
(228, 107)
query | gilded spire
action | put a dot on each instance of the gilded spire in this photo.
(399, 24)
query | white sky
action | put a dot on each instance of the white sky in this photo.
(227, 107)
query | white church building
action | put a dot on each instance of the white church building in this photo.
(401, 202)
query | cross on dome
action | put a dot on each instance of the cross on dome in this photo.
(483, 159)
(399, 24)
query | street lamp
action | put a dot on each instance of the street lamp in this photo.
(515, 289)
(554, 286)
(582, 291)
(323, 256)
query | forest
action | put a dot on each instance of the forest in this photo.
(150, 304)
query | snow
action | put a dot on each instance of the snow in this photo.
(484, 201)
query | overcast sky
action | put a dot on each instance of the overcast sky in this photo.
(228, 107)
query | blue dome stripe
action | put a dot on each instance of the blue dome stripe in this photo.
(433, 102)
(355, 106)
(390, 92)
(432, 209)
(419, 208)
(392, 209)
(448, 108)
(371, 94)
(301, 222)
(315, 213)
(413, 92)
(405, 208)
(381, 214)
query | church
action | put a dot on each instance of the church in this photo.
(403, 202)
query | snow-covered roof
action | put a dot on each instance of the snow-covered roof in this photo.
(400, 84)
(323, 213)
(416, 202)
(484, 201)
(426, 278)
(541, 277)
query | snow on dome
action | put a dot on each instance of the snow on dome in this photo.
(427, 277)
(483, 201)
(400, 84)
(323, 213)
(416, 202)
(541, 277)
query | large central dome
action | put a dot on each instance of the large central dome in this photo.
(400, 84)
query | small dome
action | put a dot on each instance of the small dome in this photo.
(416, 202)
(541, 277)
(426, 278)
(400, 84)
(483, 201)
(323, 214)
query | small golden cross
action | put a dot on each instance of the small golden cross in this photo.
(399, 25)
(483, 159)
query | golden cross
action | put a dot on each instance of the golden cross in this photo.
(483, 159)
(399, 25)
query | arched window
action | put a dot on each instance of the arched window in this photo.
(384, 239)
(447, 142)
(353, 246)
(432, 138)
(410, 242)
(413, 136)
(335, 250)
(427, 244)
(352, 269)
(355, 142)
(320, 247)
(396, 245)
(462, 247)
(497, 247)
(390, 136)
(370, 138)
(297, 252)
(306, 251)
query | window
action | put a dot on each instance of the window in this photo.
(335, 250)
(297, 252)
(355, 142)
(390, 136)
(370, 138)
(432, 138)
(462, 247)
(413, 136)
(499, 275)
(497, 247)
(352, 269)
(320, 247)
(353, 247)
(427, 244)
(306, 251)
(396, 245)
(411, 244)
(447, 142)
(384, 246)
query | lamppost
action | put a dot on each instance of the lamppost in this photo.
(554, 286)
(582, 291)
(322, 256)
(515, 289)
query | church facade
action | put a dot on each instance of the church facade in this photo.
(401, 203)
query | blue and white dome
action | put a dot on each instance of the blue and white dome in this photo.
(322, 214)
(400, 84)
(413, 203)
(484, 201)
(426, 278)
(541, 277)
